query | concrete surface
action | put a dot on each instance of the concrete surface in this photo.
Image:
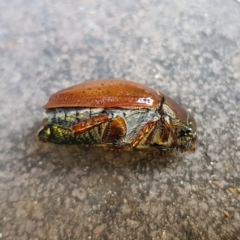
(186, 49)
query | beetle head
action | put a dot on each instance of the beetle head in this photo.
(183, 123)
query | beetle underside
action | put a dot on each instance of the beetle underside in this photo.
(115, 128)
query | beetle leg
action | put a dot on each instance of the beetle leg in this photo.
(89, 124)
(170, 131)
(163, 136)
(115, 130)
(143, 133)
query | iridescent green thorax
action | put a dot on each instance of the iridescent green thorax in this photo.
(57, 126)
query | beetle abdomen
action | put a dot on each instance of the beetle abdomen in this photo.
(120, 128)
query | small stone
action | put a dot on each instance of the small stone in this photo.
(132, 223)
(232, 190)
(227, 214)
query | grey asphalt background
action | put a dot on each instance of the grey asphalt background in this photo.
(186, 49)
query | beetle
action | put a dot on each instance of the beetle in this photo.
(118, 114)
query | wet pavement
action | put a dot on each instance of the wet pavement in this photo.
(189, 50)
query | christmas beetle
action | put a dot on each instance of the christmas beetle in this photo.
(117, 114)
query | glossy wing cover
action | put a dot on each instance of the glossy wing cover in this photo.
(106, 94)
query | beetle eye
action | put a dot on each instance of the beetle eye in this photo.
(184, 132)
(188, 130)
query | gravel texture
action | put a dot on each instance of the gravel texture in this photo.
(189, 50)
